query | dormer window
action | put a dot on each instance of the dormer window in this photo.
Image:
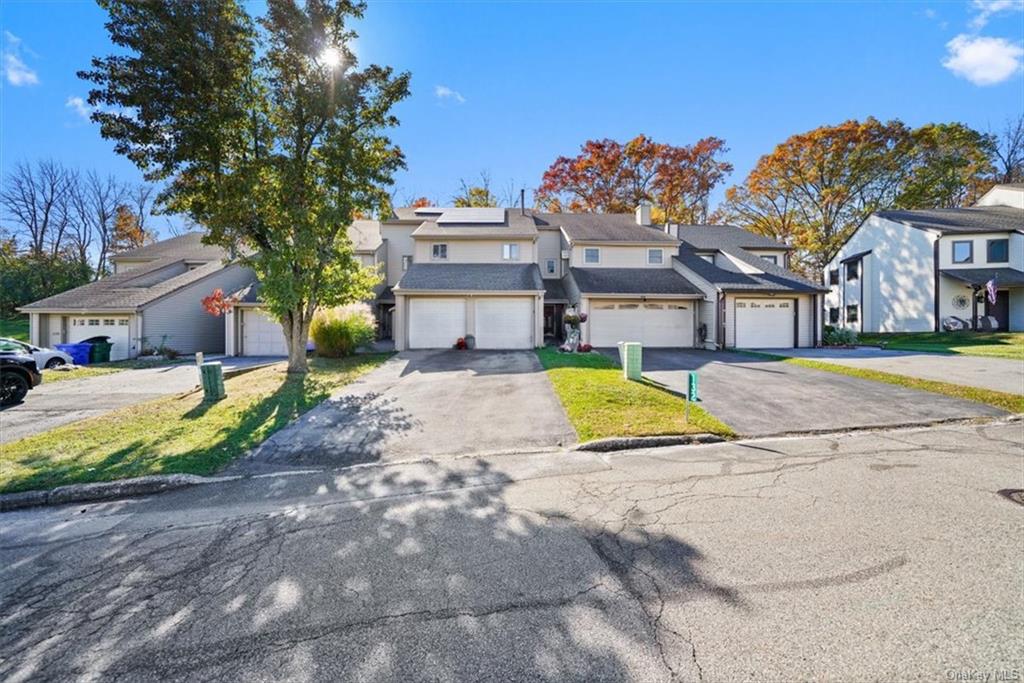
(510, 252)
(998, 251)
(771, 258)
(439, 252)
(591, 255)
(655, 257)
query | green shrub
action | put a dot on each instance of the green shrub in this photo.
(340, 331)
(839, 336)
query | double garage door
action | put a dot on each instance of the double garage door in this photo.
(118, 328)
(652, 323)
(498, 323)
(765, 323)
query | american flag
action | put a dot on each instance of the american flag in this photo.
(990, 289)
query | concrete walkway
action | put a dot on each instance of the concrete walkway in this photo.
(997, 374)
(54, 404)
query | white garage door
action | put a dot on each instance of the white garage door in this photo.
(764, 323)
(261, 335)
(652, 323)
(118, 328)
(436, 323)
(504, 323)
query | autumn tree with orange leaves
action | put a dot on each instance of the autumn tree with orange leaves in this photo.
(608, 176)
(815, 188)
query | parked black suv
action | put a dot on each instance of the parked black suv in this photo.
(18, 374)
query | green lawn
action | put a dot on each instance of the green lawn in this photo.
(95, 370)
(993, 344)
(601, 403)
(176, 434)
(1013, 403)
(15, 328)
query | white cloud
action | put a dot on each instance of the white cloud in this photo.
(443, 92)
(79, 106)
(929, 13)
(986, 9)
(982, 60)
(16, 71)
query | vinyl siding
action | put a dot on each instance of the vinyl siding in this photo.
(474, 251)
(180, 316)
(621, 257)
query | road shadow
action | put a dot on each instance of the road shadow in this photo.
(460, 583)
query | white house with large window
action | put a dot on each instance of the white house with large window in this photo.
(909, 271)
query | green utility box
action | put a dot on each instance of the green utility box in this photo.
(631, 359)
(212, 375)
(100, 352)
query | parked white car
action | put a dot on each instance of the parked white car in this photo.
(45, 358)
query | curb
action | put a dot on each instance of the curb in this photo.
(104, 490)
(634, 442)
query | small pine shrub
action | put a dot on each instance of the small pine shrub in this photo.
(839, 336)
(340, 331)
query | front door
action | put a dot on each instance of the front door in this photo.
(1000, 310)
(553, 320)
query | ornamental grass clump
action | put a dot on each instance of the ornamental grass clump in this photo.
(339, 332)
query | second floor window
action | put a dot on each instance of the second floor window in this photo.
(406, 262)
(853, 270)
(591, 255)
(963, 252)
(439, 252)
(551, 266)
(998, 251)
(510, 252)
(655, 257)
(771, 258)
(833, 276)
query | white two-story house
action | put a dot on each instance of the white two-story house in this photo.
(908, 271)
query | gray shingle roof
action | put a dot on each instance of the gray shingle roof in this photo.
(966, 220)
(604, 227)
(1005, 277)
(128, 290)
(712, 237)
(482, 277)
(554, 290)
(773, 279)
(632, 281)
(188, 246)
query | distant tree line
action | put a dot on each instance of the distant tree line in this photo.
(60, 227)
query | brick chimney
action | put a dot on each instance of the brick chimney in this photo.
(643, 213)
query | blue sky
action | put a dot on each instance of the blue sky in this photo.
(508, 87)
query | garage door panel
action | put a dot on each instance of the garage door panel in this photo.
(652, 323)
(436, 323)
(764, 323)
(504, 323)
(262, 335)
(118, 328)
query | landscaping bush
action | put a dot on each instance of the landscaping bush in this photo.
(839, 336)
(340, 331)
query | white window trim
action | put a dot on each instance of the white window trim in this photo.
(551, 266)
(771, 258)
(661, 257)
(433, 251)
(406, 262)
(591, 263)
(510, 247)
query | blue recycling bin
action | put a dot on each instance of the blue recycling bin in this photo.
(79, 352)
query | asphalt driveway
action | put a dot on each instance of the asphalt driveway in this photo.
(997, 374)
(53, 404)
(422, 404)
(758, 396)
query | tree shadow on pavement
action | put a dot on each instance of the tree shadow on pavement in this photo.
(446, 574)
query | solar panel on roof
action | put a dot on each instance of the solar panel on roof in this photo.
(487, 215)
(428, 210)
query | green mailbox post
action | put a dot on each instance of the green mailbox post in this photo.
(691, 393)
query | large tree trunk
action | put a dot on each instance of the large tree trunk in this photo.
(296, 335)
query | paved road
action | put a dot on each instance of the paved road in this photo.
(998, 374)
(871, 556)
(423, 403)
(54, 404)
(756, 396)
